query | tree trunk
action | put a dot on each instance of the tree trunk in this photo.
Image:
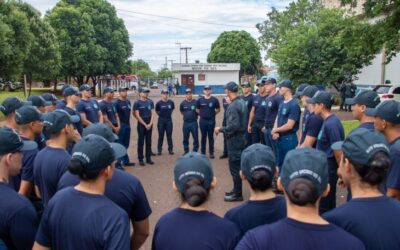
(46, 83)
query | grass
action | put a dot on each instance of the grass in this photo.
(350, 125)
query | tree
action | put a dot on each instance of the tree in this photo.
(164, 73)
(145, 74)
(318, 45)
(139, 65)
(237, 47)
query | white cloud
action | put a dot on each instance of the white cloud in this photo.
(154, 37)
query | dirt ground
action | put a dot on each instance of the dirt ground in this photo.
(157, 179)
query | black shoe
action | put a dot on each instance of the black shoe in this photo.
(212, 156)
(224, 156)
(129, 164)
(150, 162)
(159, 153)
(141, 163)
(229, 193)
(171, 152)
(233, 198)
(153, 154)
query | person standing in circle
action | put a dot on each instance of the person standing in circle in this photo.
(190, 126)
(248, 98)
(88, 107)
(257, 114)
(164, 109)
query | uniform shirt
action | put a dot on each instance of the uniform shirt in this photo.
(60, 104)
(124, 189)
(18, 219)
(78, 220)
(248, 100)
(164, 109)
(393, 176)
(90, 108)
(207, 107)
(367, 125)
(289, 111)
(41, 141)
(331, 131)
(188, 109)
(108, 109)
(186, 229)
(272, 108)
(375, 221)
(78, 125)
(144, 108)
(311, 127)
(289, 234)
(49, 165)
(252, 214)
(123, 110)
(260, 105)
(235, 118)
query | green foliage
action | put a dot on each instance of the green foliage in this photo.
(317, 45)
(164, 74)
(237, 47)
(139, 65)
(145, 74)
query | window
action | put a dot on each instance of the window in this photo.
(396, 90)
(202, 77)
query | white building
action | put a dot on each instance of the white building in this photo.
(197, 75)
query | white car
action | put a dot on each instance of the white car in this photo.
(388, 91)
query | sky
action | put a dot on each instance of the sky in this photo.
(155, 33)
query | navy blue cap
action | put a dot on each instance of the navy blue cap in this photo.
(270, 80)
(257, 157)
(102, 130)
(300, 89)
(123, 89)
(85, 87)
(144, 90)
(193, 165)
(108, 90)
(207, 87)
(50, 98)
(310, 91)
(38, 101)
(12, 142)
(368, 98)
(321, 97)
(307, 163)
(27, 114)
(65, 86)
(56, 120)
(232, 86)
(285, 84)
(246, 85)
(164, 91)
(11, 104)
(188, 90)
(387, 110)
(361, 145)
(71, 91)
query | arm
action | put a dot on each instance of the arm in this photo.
(152, 118)
(286, 127)
(393, 193)
(118, 123)
(308, 141)
(141, 231)
(232, 121)
(137, 116)
(26, 188)
(37, 246)
(101, 117)
(251, 118)
(338, 155)
(37, 191)
(85, 121)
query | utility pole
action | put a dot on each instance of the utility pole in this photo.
(186, 52)
(171, 61)
(180, 55)
(166, 62)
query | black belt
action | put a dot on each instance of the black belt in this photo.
(233, 135)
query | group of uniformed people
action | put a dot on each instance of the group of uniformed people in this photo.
(62, 188)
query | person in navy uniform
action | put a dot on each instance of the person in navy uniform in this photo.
(123, 107)
(257, 114)
(83, 212)
(286, 123)
(207, 107)
(39, 102)
(273, 100)
(164, 109)
(235, 132)
(143, 109)
(61, 103)
(190, 125)
(363, 166)
(72, 98)
(88, 107)
(49, 97)
(8, 108)
(192, 225)
(225, 103)
(304, 180)
(248, 98)
(108, 110)
(332, 131)
(18, 218)
(365, 99)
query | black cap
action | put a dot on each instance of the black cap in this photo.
(56, 120)
(257, 157)
(102, 130)
(246, 85)
(123, 89)
(85, 87)
(300, 89)
(188, 90)
(11, 104)
(307, 163)
(285, 84)
(38, 101)
(65, 86)
(207, 87)
(387, 110)
(108, 90)
(310, 91)
(144, 90)
(50, 98)
(164, 91)
(368, 98)
(95, 152)
(70, 91)
(270, 80)
(232, 86)
(361, 145)
(193, 165)
(321, 97)
(27, 114)
(12, 142)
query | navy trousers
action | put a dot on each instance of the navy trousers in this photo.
(190, 128)
(207, 130)
(164, 126)
(144, 136)
(124, 137)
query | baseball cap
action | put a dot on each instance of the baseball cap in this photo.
(164, 91)
(368, 98)
(70, 91)
(361, 145)
(257, 157)
(12, 142)
(285, 84)
(38, 101)
(85, 87)
(65, 86)
(300, 89)
(11, 104)
(27, 114)
(310, 91)
(270, 80)
(95, 152)
(207, 87)
(246, 85)
(123, 89)
(50, 98)
(321, 97)
(232, 86)
(108, 90)
(188, 90)
(102, 130)
(144, 90)
(193, 165)
(56, 120)
(387, 110)
(307, 163)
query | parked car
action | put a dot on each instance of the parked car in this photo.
(60, 85)
(154, 85)
(10, 86)
(388, 91)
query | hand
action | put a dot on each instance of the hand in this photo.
(340, 183)
(148, 126)
(273, 131)
(76, 136)
(249, 129)
(117, 129)
(216, 130)
(275, 136)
